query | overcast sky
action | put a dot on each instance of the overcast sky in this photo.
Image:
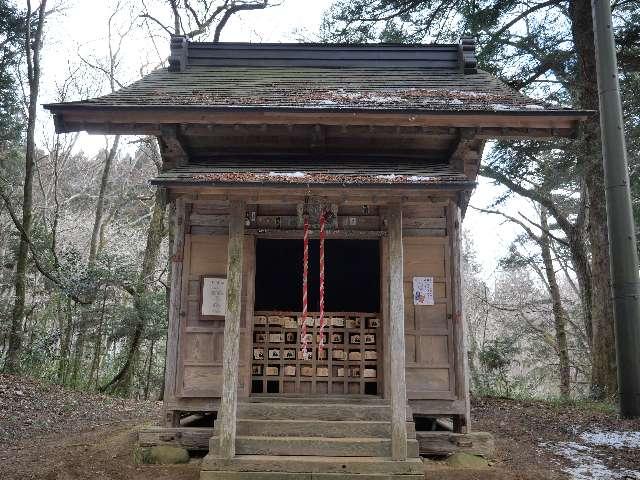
(82, 28)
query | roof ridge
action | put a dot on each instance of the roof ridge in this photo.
(460, 57)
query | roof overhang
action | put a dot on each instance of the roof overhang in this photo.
(310, 186)
(147, 120)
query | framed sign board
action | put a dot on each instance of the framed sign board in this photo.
(213, 297)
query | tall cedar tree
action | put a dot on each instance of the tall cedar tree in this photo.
(546, 49)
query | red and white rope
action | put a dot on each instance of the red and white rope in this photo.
(322, 319)
(305, 273)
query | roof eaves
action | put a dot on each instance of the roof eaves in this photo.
(464, 185)
(80, 105)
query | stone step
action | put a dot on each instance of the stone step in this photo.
(315, 446)
(313, 466)
(314, 411)
(317, 428)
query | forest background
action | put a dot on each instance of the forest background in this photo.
(83, 237)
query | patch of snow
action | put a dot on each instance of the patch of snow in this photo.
(456, 101)
(381, 99)
(469, 93)
(287, 174)
(391, 176)
(420, 178)
(534, 107)
(584, 465)
(429, 100)
(351, 95)
(612, 439)
(500, 106)
(327, 102)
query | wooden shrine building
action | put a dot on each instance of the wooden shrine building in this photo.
(379, 143)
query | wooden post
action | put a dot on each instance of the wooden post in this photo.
(179, 221)
(454, 222)
(398, 387)
(230, 360)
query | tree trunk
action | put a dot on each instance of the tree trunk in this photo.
(149, 365)
(580, 262)
(603, 355)
(33, 48)
(78, 356)
(97, 223)
(94, 371)
(63, 361)
(559, 313)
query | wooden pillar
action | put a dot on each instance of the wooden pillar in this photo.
(178, 225)
(454, 225)
(230, 361)
(398, 387)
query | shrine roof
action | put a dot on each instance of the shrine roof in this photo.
(370, 78)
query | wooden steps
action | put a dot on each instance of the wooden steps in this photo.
(315, 446)
(327, 411)
(313, 439)
(230, 475)
(293, 464)
(318, 428)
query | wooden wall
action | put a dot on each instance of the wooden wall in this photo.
(430, 331)
(199, 372)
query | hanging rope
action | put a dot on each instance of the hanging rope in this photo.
(322, 319)
(305, 272)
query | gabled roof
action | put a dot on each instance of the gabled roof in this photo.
(374, 78)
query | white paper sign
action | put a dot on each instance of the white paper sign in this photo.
(423, 290)
(214, 296)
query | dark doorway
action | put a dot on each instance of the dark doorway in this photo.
(352, 275)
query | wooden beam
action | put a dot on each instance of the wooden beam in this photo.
(454, 220)
(462, 148)
(231, 349)
(318, 138)
(172, 147)
(191, 438)
(352, 195)
(562, 122)
(152, 127)
(179, 220)
(250, 296)
(306, 131)
(398, 387)
(446, 443)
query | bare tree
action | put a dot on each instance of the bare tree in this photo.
(197, 19)
(192, 20)
(33, 47)
(108, 67)
(548, 277)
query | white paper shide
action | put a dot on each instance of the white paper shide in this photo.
(423, 290)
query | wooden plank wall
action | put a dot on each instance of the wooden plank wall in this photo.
(201, 341)
(430, 331)
(429, 335)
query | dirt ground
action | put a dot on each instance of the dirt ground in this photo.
(54, 434)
